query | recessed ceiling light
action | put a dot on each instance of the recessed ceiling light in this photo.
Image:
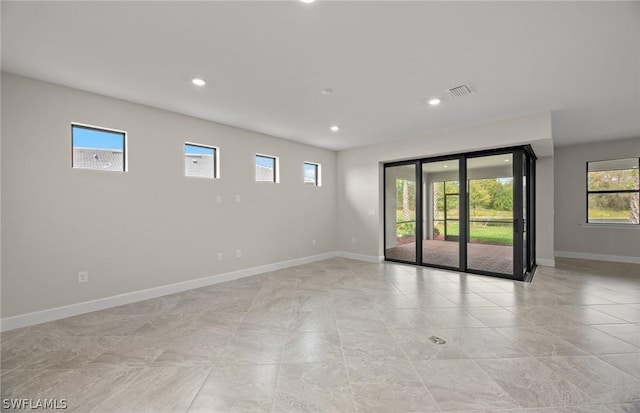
(327, 91)
(335, 128)
(445, 166)
(506, 160)
(434, 101)
(307, 1)
(198, 82)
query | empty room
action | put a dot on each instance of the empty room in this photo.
(320, 206)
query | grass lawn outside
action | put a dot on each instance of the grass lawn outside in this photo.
(609, 215)
(482, 232)
(492, 233)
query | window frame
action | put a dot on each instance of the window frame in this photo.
(276, 167)
(318, 176)
(608, 191)
(216, 159)
(125, 140)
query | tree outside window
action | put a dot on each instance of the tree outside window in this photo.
(613, 192)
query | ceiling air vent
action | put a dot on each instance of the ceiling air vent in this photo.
(459, 91)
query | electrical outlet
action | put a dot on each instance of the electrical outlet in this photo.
(219, 256)
(238, 199)
(83, 276)
(238, 253)
(219, 199)
(372, 212)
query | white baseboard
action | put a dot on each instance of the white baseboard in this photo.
(51, 314)
(545, 262)
(359, 257)
(598, 257)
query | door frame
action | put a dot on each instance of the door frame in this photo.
(524, 265)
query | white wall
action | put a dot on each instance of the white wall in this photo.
(150, 226)
(360, 176)
(545, 227)
(572, 237)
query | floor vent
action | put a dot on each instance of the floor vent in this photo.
(437, 340)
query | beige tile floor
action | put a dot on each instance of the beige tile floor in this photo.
(343, 336)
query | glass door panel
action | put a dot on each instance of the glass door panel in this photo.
(441, 213)
(490, 197)
(400, 213)
(525, 218)
(531, 201)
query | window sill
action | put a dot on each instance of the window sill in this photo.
(611, 226)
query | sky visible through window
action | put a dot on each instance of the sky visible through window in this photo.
(265, 161)
(97, 139)
(310, 172)
(197, 150)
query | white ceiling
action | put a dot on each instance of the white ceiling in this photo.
(266, 63)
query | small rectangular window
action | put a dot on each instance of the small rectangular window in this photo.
(613, 191)
(312, 174)
(200, 161)
(97, 148)
(266, 168)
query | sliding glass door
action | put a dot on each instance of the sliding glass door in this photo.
(528, 212)
(468, 212)
(491, 213)
(441, 213)
(401, 213)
